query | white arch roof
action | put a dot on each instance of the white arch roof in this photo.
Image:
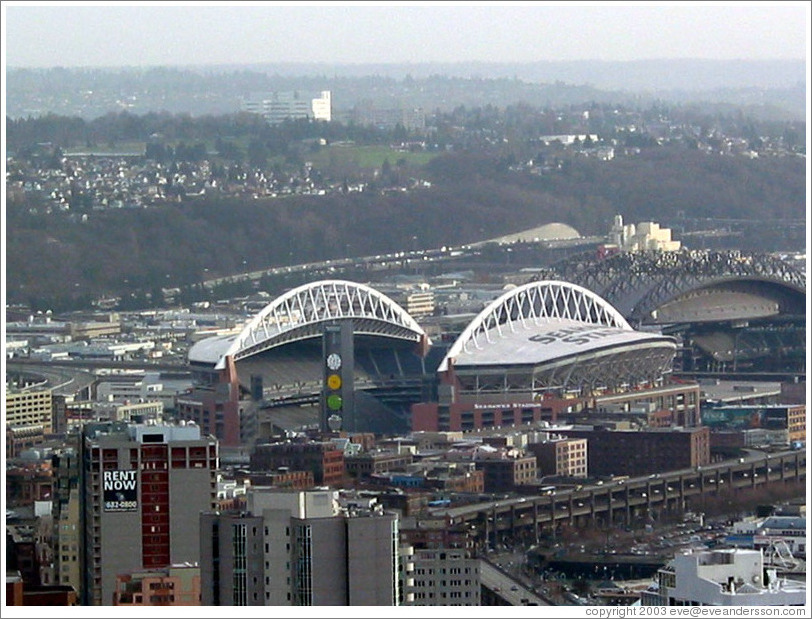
(542, 309)
(299, 313)
(548, 232)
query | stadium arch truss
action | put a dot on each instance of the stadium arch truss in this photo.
(639, 283)
(633, 357)
(301, 314)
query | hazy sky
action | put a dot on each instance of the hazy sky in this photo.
(104, 34)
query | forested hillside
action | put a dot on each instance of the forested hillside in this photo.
(56, 262)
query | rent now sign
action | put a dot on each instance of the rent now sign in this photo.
(120, 490)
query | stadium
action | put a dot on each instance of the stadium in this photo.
(730, 311)
(590, 329)
(277, 358)
(541, 341)
(536, 350)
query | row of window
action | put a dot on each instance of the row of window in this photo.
(421, 571)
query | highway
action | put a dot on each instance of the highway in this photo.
(62, 380)
(510, 590)
(623, 500)
(329, 268)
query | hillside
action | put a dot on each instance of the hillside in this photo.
(60, 263)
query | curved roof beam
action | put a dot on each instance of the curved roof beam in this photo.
(300, 309)
(534, 302)
(715, 269)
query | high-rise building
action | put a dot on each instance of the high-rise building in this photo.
(300, 549)
(143, 488)
(443, 577)
(66, 496)
(276, 107)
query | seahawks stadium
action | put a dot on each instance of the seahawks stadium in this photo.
(278, 357)
(591, 327)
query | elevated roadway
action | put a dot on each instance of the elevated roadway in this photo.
(502, 589)
(60, 379)
(621, 501)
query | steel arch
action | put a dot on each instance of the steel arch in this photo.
(301, 313)
(712, 268)
(635, 283)
(535, 302)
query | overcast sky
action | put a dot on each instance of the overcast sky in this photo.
(97, 34)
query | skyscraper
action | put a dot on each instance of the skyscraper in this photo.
(303, 549)
(143, 488)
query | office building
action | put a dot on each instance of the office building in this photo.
(28, 417)
(559, 456)
(143, 488)
(503, 472)
(300, 549)
(443, 577)
(644, 451)
(276, 107)
(28, 407)
(324, 460)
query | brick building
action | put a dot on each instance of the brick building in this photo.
(642, 452)
(324, 460)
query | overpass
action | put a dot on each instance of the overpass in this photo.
(621, 501)
(501, 589)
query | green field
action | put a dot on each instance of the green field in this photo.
(367, 156)
(119, 148)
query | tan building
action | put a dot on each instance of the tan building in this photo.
(30, 407)
(565, 457)
(502, 473)
(89, 330)
(791, 418)
(176, 585)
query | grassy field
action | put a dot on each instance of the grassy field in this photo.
(120, 148)
(367, 156)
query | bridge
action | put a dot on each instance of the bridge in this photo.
(621, 501)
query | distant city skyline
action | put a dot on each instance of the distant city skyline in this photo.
(156, 34)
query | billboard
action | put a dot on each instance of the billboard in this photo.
(120, 491)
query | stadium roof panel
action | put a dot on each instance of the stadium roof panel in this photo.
(553, 339)
(210, 350)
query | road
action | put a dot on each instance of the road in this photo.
(515, 592)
